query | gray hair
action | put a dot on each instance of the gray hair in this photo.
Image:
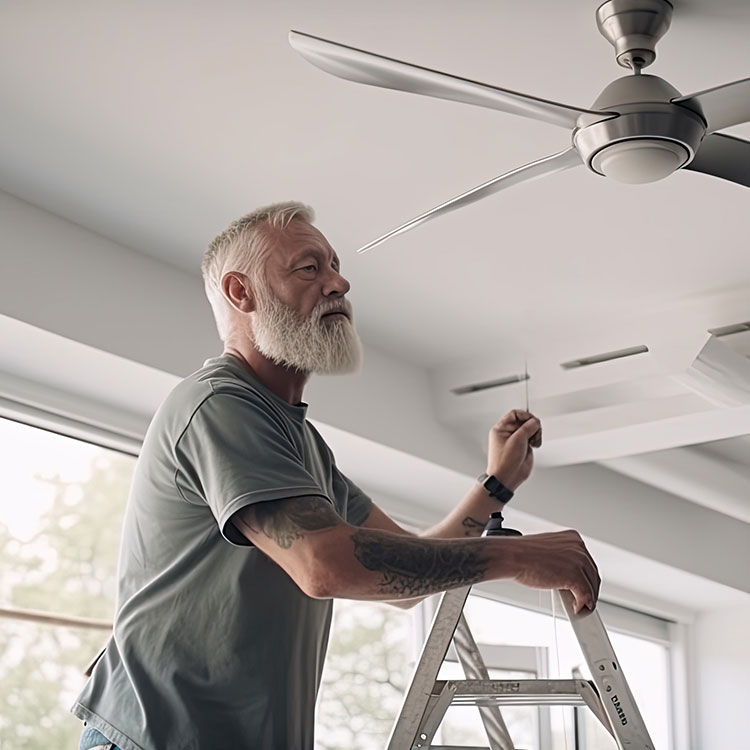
(244, 246)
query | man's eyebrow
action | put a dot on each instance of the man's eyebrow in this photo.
(316, 253)
(306, 253)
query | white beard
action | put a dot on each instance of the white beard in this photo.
(307, 344)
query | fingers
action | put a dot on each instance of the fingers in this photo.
(559, 560)
(588, 594)
(581, 600)
(515, 420)
(530, 431)
(585, 596)
(585, 586)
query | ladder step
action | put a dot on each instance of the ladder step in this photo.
(518, 692)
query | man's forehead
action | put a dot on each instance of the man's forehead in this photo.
(299, 236)
(301, 229)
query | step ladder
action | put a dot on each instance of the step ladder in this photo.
(427, 699)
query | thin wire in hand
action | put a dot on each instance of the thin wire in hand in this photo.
(526, 381)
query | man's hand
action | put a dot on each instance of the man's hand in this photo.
(556, 560)
(510, 455)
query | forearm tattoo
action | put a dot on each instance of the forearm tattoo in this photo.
(472, 526)
(418, 567)
(285, 521)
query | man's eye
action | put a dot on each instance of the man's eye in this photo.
(313, 269)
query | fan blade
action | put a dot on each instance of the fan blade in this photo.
(549, 165)
(723, 156)
(377, 70)
(721, 106)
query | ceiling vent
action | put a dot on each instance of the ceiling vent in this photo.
(729, 330)
(487, 384)
(604, 357)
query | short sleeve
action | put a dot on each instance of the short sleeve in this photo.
(236, 452)
(359, 505)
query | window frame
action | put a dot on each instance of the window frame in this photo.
(72, 416)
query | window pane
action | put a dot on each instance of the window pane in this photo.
(462, 725)
(41, 672)
(370, 660)
(644, 663)
(60, 520)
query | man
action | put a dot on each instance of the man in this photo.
(240, 528)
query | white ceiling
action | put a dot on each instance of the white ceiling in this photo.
(155, 124)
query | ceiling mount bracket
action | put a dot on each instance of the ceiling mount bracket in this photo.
(633, 27)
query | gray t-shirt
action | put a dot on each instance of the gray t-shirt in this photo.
(214, 646)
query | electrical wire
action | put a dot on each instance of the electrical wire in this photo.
(557, 660)
(526, 381)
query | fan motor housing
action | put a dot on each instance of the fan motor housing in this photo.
(644, 111)
(634, 27)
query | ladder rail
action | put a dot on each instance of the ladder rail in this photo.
(626, 722)
(415, 704)
(475, 669)
(608, 696)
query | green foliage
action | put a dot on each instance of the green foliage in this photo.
(69, 567)
(366, 672)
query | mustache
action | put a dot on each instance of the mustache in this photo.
(334, 306)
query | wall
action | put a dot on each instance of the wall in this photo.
(721, 647)
(65, 279)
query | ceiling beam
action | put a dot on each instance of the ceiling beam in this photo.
(693, 474)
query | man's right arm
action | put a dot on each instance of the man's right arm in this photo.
(327, 557)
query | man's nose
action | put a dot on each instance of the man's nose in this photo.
(335, 284)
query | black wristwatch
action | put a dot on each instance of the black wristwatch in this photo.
(495, 488)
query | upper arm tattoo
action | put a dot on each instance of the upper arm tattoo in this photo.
(286, 521)
(419, 567)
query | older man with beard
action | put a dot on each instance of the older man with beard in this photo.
(240, 528)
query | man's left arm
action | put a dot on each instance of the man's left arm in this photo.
(510, 459)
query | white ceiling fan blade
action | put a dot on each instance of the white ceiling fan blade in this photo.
(723, 156)
(721, 106)
(376, 70)
(549, 165)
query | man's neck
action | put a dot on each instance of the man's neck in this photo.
(286, 383)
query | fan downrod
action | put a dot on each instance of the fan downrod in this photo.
(633, 27)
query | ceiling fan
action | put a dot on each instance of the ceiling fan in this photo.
(640, 128)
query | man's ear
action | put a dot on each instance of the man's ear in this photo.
(236, 289)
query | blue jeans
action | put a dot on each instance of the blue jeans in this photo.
(91, 739)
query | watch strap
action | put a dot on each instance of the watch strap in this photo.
(495, 488)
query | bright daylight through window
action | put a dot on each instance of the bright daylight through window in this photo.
(374, 647)
(60, 517)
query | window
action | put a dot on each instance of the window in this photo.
(645, 663)
(373, 650)
(370, 659)
(60, 518)
(61, 511)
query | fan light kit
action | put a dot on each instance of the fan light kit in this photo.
(640, 128)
